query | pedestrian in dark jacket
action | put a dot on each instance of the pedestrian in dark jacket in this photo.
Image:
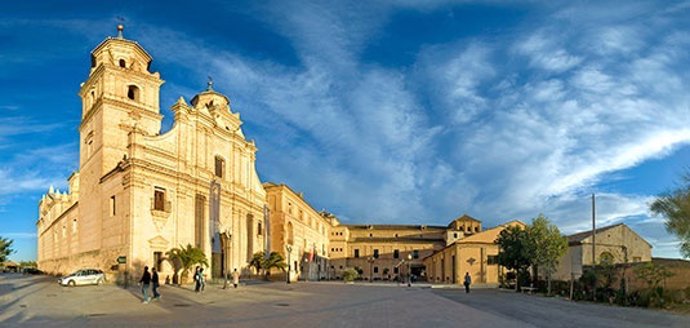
(197, 280)
(155, 284)
(468, 282)
(145, 282)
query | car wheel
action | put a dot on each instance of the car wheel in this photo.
(72, 283)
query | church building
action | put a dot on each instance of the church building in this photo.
(138, 192)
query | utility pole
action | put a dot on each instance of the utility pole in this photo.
(594, 253)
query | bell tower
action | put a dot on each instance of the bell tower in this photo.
(120, 95)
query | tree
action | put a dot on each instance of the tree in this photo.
(184, 258)
(274, 260)
(675, 206)
(257, 261)
(5, 248)
(27, 264)
(514, 252)
(546, 246)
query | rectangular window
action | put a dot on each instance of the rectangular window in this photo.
(376, 253)
(396, 270)
(158, 260)
(113, 207)
(396, 254)
(159, 199)
(415, 254)
(492, 259)
(220, 167)
(259, 229)
(356, 253)
(376, 269)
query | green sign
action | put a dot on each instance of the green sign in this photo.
(122, 259)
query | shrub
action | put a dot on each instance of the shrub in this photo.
(350, 275)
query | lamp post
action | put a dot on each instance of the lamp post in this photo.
(409, 270)
(288, 248)
(371, 270)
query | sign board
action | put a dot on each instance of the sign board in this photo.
(122, 259)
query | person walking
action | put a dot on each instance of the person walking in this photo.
(145, 282)
(202, 281)
(197, 280)
(235, 278)
(155, 284)
(468, 282)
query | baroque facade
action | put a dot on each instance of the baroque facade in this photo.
(137, 192)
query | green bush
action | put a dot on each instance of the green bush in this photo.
(350, 274)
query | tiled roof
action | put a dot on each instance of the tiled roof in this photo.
(580, 236)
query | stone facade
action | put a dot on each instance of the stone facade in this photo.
(476, 254)
(616, 244)
(299, 233)
(386, 252)
(138, 193)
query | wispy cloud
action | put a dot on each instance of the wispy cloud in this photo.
(18, 235)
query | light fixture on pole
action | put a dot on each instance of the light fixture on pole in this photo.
(409, 270)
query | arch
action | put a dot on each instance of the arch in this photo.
(133, 92)
(606, 258)
(290, 234)
(122, 63)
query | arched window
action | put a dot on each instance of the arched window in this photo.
(133, 92)
(290, 234)
(122, 63)
(606, 258)
(220, 166)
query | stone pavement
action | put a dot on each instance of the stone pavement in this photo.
(40, 302)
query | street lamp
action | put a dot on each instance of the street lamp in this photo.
(371, 271)
(288, 248)
(409, 270)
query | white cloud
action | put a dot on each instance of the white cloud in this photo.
(544, 52)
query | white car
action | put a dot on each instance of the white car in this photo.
(83, 277)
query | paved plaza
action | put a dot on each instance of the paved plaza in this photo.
(30, 301)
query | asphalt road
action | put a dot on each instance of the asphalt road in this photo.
(539, 311)
(40, 302)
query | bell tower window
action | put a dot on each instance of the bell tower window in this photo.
(133, 92)
(123, 63)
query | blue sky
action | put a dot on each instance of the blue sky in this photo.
(394, 111)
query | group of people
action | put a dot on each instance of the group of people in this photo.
(151, 280)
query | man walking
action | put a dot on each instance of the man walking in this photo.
(235, 278)
(145, 281)
(202, 282)
(197, 280)
(468, 282)
(155, 284)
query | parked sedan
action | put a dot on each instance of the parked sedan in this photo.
(83, 277)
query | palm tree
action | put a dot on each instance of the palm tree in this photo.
(257, 261)
(184, 258)
(274, 260)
